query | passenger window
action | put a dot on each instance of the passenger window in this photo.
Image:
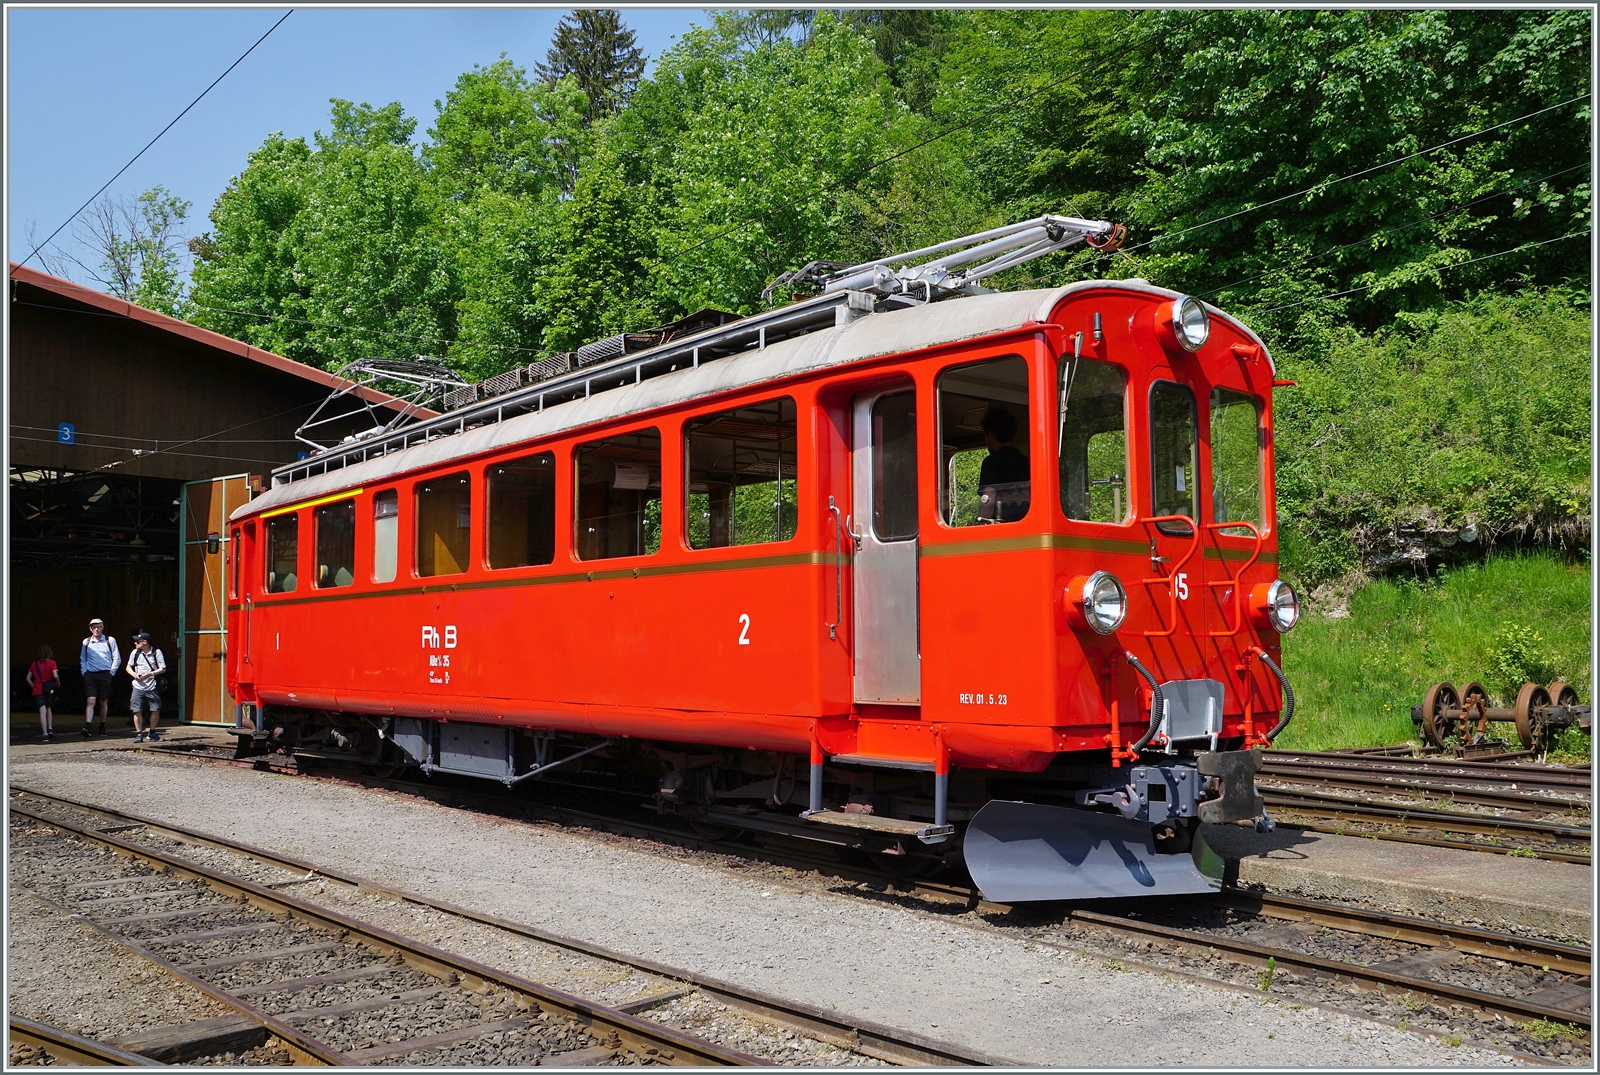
(741, 488)
(444, 525)
(1236, 447)
(336, 545)
(385, 535)
(522, 512)
(983, 440)
(1094, 441)
(1172, 452)
(894, 467)
(619, 495)
(283, 549)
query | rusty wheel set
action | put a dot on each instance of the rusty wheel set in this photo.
(1462, 716)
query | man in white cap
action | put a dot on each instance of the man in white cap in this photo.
(98, 660)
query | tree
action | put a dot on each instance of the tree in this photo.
(140, 245)
(595, 49)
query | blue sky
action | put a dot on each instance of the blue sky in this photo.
(88, 87)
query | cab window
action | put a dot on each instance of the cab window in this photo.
(741, 487)
(522, 511)
(619, 495)
(984, 421)
(1094, 441)
(444, 525)
(336, 544)
(1172, 452)
(385, 535)
(1236, 456)
(235, 548)
(283, 550)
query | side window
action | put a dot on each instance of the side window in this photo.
(741, 484)
(336, 545)
(385, 535)
(1236, 444)
(1094, 441)
(894, 467)
(522, 511)
(283, 550)
(235, 547)
(1172, 451)
(619, 495)
(444, 525)
(983, 440)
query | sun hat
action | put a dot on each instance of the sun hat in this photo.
(96, 620)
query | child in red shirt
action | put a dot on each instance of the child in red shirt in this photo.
(45, 679)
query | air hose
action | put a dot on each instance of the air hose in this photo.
(1288, 696)
(1155, 701)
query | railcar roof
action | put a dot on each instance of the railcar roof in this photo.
(888, 333)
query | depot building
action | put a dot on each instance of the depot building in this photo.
(133, 436)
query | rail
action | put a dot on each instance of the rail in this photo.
(1171, 578)
(1237, 579)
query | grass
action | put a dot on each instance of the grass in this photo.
(1356, 678)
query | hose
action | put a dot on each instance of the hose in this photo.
(1288, 696)
(1155, 701)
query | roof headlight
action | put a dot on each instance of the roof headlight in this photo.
(1190, 322)
(1276, 605)
(1096, 602)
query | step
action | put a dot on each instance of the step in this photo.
(881, 763)
(927, 832)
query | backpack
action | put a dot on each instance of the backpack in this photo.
(160, 681)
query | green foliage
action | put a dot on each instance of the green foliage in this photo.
(1519, 655)
(1357, 677)
(139, 245)
(595, 50)
(1478, 417)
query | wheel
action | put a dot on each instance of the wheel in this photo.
(1531, 700)
(1435, 720)
(1562, 693)
(1474, 697)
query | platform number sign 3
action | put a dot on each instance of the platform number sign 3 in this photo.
(744, 630)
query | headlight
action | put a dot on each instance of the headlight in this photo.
(1190, 322)
(1276, 605)
(1096, 602)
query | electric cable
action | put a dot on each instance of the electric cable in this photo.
(1323, 186)
(156, 139)
(1423, 272)
(1390, 231)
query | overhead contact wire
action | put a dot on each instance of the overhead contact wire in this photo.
(156, 139)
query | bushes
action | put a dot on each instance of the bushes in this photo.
(1440, 435)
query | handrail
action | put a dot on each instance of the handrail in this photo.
(1236, 580)
(838, 571)
(1171, 579)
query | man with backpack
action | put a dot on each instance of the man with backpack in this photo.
(98, 660)
(148, 668)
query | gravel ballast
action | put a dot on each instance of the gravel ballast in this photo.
(813, 942)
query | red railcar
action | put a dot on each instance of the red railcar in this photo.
(995, 572)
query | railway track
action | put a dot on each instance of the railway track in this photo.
(1431, 773)
(1546, 984)
(622, 1030)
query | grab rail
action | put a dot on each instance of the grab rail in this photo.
(838, 571)
(1171, 580)
(1236, 580)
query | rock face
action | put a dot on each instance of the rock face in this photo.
(1431, 543)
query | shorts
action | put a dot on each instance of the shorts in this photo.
(97, 685)
(140, 701)
(42, 700)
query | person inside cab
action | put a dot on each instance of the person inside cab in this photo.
(1003, 484)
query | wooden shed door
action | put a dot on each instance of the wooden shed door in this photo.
(203, 599)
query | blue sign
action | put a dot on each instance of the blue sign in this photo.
(66, 433)
(301, 455)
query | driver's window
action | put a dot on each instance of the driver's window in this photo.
(1173, 450)
(984, 421)
(1094, 441)
(1236, 451)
